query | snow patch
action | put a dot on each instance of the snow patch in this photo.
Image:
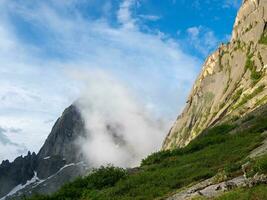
(48, 157)
(65, 166)
(36, 181)
(20, 186)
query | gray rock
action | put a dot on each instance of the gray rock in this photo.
(59, 150)
(61, 146)
(227, 87)
(53, 183)
(17, 172)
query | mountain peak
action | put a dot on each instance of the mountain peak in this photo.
(58, 161)
(250, 17)
(233, 79)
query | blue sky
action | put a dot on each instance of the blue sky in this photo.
(172, 18)
(154, 48)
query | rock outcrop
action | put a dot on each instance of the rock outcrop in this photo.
(209, 189)
(233, 81)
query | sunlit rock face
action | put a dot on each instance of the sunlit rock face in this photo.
(233, 79)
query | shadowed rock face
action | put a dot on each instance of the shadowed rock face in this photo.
(61, 146)
(233, 81)
(59, 160)
(17, 172)
(60, 149)
(62, 139)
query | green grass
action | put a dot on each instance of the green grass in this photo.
(99, 179)
(163, 173)
(260, 165)
(239, 45)
(263, 39)
(261, 101)
(237, 95)
(256, 193)
(250, 65)
(248, 97)
(256, 75)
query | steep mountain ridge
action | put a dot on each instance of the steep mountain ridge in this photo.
(224, 157)
(18, 172)
(233, 79)
(232, 84)
(58, 161)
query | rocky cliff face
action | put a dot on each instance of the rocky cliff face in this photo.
(17, 172)
(61, 147)
(233, 80)
(58, 161)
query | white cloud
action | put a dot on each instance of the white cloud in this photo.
(120, 129)
(193, 31)
(7, 147)
(202, 39)
(35, 87)
(232, 4)
(124, 14)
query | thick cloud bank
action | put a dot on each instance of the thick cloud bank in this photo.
(120, 129)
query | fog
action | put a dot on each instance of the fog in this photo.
(121, 130)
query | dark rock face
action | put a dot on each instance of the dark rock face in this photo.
(61, 146)
(53, 183)
(17, 172)
(62, 139)
(60, 149)
(47, 167)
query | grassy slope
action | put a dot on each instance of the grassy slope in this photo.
(222, 148)
(258, 192)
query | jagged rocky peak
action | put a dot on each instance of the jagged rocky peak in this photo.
(233, 80)
(61, 147)
(18, 172)
(58, 161)
(64, 135)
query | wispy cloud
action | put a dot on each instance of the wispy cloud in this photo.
(124, 14)
(202, 39)
(232, 4)
(37, 76)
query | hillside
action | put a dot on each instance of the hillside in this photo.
(217, 144)
(227, 156)
(216, 149)
(232, 81)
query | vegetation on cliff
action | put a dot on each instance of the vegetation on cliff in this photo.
(223, 148)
